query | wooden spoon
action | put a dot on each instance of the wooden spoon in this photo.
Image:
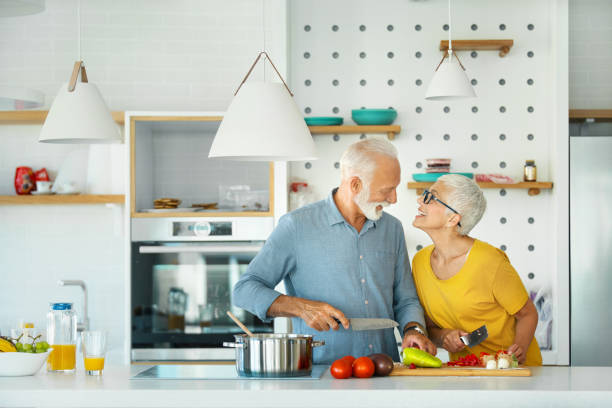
(239, 323)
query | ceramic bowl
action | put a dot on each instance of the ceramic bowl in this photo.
(20, 364)
(374, 116)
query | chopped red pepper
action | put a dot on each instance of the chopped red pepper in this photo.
(466, 361)
(412, 366)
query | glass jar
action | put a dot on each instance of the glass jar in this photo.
(530, 171)
(62, 337)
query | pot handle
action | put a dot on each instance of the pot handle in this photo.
(316, 343)
(233, 345)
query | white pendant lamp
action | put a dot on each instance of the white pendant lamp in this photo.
(449, 81)
(18, 98)
(13, 97)
(263, 123)
(14, 8)
(79, 114)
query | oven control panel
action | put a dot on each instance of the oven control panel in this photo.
(202, 228)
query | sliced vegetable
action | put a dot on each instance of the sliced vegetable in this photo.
(419, 358)
(466, 361)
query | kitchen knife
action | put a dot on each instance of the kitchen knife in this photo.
(475, 337)
(362, 323)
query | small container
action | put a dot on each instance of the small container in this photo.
(62, 337)
(94, 350)
(530, 171)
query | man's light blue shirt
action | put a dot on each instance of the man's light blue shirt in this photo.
(320, 256)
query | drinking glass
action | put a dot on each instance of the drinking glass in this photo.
(94, 350)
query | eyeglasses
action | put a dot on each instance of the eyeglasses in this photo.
(428, 196)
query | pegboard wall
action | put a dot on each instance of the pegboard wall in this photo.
(350, 54)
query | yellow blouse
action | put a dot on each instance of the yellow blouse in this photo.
(486, 290)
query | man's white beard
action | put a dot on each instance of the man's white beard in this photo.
(369, 208)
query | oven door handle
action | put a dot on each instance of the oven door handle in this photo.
(205, 249)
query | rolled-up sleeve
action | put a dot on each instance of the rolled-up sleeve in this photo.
(406, 305)
(255, 289)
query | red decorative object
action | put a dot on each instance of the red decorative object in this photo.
(24, 180)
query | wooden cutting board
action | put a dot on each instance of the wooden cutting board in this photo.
(444, 371)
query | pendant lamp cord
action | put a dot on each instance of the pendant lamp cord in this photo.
(79, 27)
(450, 26)
(263, 25)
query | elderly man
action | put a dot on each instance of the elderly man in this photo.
(342, 257)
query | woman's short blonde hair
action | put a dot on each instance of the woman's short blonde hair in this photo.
(465, 197)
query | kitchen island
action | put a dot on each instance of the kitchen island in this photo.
(548, 387)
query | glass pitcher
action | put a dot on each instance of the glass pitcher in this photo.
(62, 337)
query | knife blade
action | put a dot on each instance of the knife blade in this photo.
(363, 323)
(475, 337)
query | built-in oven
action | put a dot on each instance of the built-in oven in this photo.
(182, 274)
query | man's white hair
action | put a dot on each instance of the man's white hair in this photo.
(359, 160)
(465, 197)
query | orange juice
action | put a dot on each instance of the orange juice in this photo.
(94, 363)
(63, 357)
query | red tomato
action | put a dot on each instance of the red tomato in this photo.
(341, 369)
(350, 359)
(363, 367)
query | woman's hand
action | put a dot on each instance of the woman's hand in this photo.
(449, 339)
(519, 351)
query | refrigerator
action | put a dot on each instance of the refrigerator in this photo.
(591, 243)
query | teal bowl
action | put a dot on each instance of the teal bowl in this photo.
(324, 121)
(374, 116)
(432, 177)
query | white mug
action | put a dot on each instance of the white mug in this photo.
(43, 186)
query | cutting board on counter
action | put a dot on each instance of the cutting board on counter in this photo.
(444, 371)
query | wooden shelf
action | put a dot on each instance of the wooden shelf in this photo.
(533, 187)
(33, 117)
(600, 115)
(59, 199)
(503, 46)
(389, 130)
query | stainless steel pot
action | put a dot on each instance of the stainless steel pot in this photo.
(274, 355)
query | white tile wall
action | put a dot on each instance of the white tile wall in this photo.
(590, 50)
(186, 55)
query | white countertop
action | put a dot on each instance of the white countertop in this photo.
(548, 387)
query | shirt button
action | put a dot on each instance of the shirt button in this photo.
(360, 256)
(366, 302)
(370, 346)
(363, 281)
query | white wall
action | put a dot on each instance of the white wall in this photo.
(144, 54)
(590, 50)
(514, 221)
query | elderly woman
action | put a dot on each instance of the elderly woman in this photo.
(464, 283)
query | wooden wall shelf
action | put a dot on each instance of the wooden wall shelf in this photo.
(503, 46)
(533, 187)
(60, 199)
(389, 130)
(600, 115)
(33, 117)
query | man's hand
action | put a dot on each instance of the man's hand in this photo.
(321, 316)
(413, 338)
(450, 340)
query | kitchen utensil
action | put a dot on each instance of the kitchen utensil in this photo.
(374, 116)
(239, 323)
(20, 364)
(444, 371)
(362, 323)
(475, 337)
(323, 121)
(432, 177)
(274, 354)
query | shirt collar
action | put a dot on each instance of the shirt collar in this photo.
(335, 217)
